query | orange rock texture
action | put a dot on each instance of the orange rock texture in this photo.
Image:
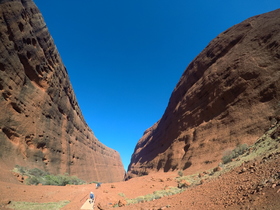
(41, 124)
(228, 95)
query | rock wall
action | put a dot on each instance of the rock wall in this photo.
(229, 94)
(41, 124)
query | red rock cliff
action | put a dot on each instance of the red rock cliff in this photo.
(41, 124)
(229, 94)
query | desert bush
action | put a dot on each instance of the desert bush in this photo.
(37, 172)
(239, 150)
(76, 181)
(149, 197)
(173, 191)
(131, 201)
(156, 195)
(20, 169)
(167, 192)
(180, 173)
(140, 199)
(32, 180)
(62, 180)
(122, 195)
(53, 180)
(37, 176)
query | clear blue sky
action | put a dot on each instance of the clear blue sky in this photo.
(124, 57)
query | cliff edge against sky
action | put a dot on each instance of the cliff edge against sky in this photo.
(228, 95)
(41, 124)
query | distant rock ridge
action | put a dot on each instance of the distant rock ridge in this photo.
(41, 124)
(229, 94)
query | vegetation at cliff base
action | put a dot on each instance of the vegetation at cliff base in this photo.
(36, 176)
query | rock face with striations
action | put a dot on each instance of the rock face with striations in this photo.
(229, 94)
(41, 124)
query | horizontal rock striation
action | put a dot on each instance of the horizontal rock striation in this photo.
(41, 124)
(229, 94)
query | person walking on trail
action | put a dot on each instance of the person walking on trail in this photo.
(91, 197)
(98, 185)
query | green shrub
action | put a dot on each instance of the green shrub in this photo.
(32, 180)
(58, 180)
(180, 173)
(140, 199)
(156, 195)
(62, 180)
(37, 176)
(76, 181)
(161, 193)
(122, 195)
(20, 169)
(149, 197)
(37, 172)
(239, 150)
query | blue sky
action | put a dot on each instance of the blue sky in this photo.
(125, 57)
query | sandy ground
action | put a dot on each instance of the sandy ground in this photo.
(88, 205)
(254, 185)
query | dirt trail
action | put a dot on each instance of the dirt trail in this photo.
(88, 205)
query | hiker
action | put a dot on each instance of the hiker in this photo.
(91, 197)
(98, 185)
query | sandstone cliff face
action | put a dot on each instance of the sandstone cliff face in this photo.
(41, 124)
(229, 94)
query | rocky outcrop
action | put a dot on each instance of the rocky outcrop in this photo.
(229, 94)
(41, 124)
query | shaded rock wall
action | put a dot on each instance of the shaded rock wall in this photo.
(41, 124)
(229, 94)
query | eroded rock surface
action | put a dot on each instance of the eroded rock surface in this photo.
(229, 94)
(41, 124)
